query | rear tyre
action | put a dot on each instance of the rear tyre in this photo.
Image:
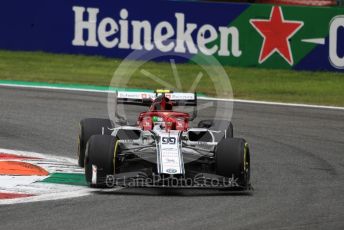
(89, 127)
(100, 160)
(233, 160)
(218, 125)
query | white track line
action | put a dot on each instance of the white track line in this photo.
(38, 155)
(201, 98)
(46, 197)
(54, 88)
(274, 103)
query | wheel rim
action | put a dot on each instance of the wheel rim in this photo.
(115, 156)
(246, 163)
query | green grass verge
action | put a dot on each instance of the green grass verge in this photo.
(323, 88)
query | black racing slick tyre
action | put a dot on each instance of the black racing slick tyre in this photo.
(233, 160)
(89, 127)
(100, 160)
(218, 125)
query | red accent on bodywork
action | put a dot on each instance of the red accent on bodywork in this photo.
(147, 123)
(180, 125)
(170, 117)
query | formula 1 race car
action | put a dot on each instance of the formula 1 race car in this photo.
(161, 149)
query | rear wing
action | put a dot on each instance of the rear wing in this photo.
(146, 98)
(185, 99)
(135, 98)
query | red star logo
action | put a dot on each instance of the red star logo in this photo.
(276, 33)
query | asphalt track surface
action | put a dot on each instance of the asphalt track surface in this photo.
(297, 170)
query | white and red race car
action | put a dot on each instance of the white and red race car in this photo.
(161, 149)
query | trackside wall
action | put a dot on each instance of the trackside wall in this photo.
(247, 35)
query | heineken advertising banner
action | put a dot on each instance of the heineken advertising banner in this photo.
(246, 35)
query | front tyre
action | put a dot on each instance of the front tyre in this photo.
(100, 159)
(233, 160)
(89, 127)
